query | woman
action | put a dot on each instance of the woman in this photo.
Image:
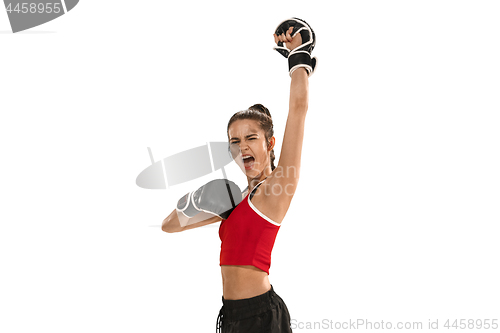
(248, 234)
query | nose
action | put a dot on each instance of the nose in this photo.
(244, 149)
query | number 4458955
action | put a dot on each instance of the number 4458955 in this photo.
(472, 324)
(35, 8)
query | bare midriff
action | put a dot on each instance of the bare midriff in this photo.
(239, 282)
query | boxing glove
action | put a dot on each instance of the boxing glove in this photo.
(301, 55)
(216, 198)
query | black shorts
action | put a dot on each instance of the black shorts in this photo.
(266, 313)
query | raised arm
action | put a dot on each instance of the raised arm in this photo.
(288, 169)
(295, 42)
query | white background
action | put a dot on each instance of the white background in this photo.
(397, 212)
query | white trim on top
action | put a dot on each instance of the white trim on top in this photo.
(258, 211)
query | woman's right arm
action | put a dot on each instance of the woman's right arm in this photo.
(171, 223)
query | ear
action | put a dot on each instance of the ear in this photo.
(272, 142)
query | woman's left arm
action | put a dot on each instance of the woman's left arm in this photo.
(287, 172)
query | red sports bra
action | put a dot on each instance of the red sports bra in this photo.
(247, 236)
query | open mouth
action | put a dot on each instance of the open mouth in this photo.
(248, 161)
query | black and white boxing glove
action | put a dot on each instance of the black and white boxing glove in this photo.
(216, 198)
(301, 55)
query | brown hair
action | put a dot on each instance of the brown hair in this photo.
(262, 115)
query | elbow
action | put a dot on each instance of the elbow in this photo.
(164, 227)
(167, 227)
(171, 223)
(170, 230)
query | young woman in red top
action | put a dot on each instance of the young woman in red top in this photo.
(249, 301)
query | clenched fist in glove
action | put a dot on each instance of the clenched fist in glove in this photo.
(216, 198)
(296, 40)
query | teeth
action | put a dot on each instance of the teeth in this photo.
(245, 157)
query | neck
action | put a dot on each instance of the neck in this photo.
(253, 181)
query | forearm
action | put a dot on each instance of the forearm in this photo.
(299, 91)
(172, 223)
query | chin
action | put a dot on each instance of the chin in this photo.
(252, 173)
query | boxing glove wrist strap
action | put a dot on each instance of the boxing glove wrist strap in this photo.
(299, 59)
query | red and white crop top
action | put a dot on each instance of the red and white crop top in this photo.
(247, 236)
